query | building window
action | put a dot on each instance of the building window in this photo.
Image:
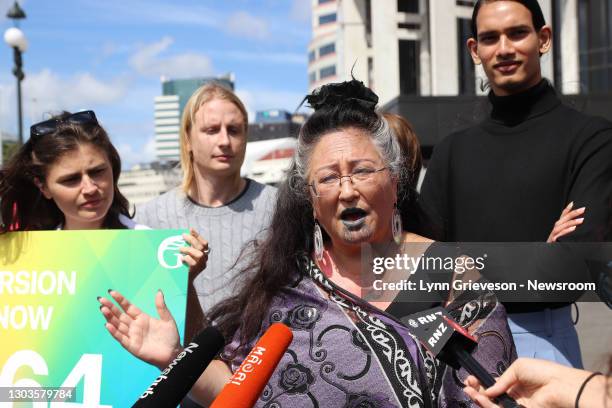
(467, 75)
(311, 56)
(312, 77)
(368, 22)
(408, 6)
(325, 1)
(556, 45)
(327, 49)
(465, 3)
(327, 18)
(327, 72)
(409, 26)
(595, 45)
(370, 73)
(409, 67)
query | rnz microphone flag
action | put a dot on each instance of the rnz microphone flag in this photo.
(177, 379)
(450, 343)
(247, 383)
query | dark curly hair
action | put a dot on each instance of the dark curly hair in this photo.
(22, 205)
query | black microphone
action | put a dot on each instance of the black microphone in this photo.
(450, 343)
(176, 380)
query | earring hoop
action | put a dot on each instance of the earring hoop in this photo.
(396, 225)
(318, 241)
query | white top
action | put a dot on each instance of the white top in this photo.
(127, 222)
(131, 224)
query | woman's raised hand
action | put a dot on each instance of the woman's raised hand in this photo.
(567, 222)
(195, 255)
(155, 341)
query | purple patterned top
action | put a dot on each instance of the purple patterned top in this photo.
(345, 354)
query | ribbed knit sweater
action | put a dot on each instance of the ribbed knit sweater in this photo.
(227, 229)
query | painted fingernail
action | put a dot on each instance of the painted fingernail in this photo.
(580, 220)
(570, 205)
(98, 298)
(582, 209)
(109, 291)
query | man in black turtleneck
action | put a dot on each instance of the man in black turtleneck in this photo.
(508, 178)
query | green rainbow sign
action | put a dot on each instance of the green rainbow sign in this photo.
(52, 333)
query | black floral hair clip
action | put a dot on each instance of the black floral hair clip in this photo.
(337, 93)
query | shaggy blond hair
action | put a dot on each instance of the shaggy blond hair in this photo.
(203, 94)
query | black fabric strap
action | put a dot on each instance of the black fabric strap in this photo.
(595, 374)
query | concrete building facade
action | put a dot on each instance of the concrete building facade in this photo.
(144, 182)
(169, 109)
(417, 47)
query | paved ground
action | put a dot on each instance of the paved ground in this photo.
(595, 333)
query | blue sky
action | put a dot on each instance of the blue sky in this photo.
(109, 55)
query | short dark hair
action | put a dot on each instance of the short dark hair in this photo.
(537, 17)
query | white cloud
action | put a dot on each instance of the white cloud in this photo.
(47, 92)
(130, 156)
(243, 24)
(105, 51)
(147, 61)
(7, 107)
(149, 149)
(301, 11)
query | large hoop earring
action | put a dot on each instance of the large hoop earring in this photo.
(318, 242)
(396, 225)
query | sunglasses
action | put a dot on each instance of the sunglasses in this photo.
(47, 127)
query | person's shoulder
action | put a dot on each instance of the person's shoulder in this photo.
(585, 121)
(596, 124)
(459, 136)
(147, 213)
(261, 191)
(586, 133)
(256, 185)
(161, 200)
(444, 147)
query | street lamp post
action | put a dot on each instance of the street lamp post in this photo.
(15, 38)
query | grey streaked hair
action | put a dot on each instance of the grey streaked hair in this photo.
(378, 129)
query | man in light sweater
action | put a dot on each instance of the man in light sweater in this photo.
(214, 201)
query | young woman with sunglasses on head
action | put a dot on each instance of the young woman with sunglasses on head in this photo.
(65, 177)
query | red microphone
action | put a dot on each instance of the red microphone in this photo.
(247, 383)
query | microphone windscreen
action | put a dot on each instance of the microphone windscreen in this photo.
(436, 330)
(247, 383)
(177, 379)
